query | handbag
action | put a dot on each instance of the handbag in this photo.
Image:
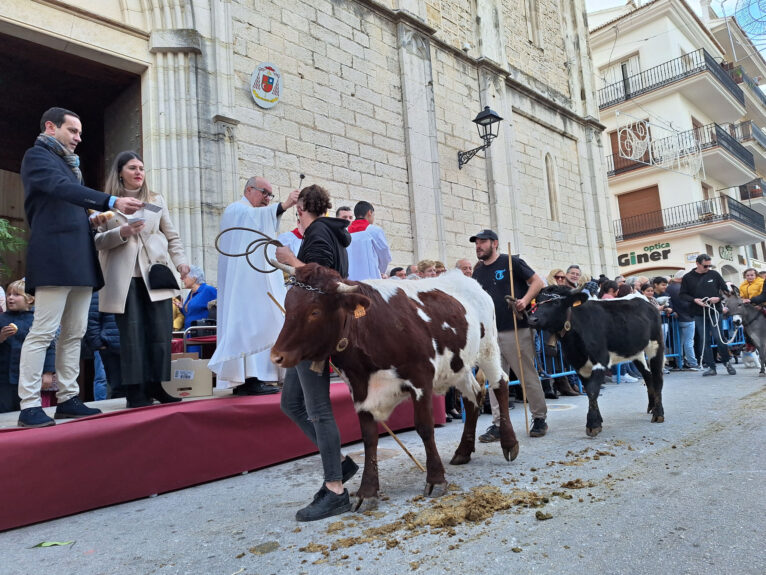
(160, 275)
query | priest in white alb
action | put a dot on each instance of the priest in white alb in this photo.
(248, 321)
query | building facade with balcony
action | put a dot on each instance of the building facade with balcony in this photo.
(685, 149)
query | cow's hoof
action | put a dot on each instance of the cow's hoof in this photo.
(592, 431)
(435, 489)
(460, 459)
(512, 453)
(362, 504)
(658, 419)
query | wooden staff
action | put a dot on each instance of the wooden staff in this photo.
(518, 346)
(383, 423)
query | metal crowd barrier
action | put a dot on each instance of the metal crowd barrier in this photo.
(674, 346)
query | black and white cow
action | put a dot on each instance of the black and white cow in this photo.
(596, 334)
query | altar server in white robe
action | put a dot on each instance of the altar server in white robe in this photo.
(293, 239)
(368, 254)
(248, 321)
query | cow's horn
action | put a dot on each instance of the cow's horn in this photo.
(345, 288)
(289, 270)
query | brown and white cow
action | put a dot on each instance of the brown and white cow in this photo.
(391, 340)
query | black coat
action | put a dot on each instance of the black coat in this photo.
(680, 306)
(325, 242)
(61, 250)
(694, 285)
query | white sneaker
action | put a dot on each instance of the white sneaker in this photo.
(628, 378)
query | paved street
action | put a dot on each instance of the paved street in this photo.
(683, 497)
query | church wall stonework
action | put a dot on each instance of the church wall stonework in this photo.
(377, 100)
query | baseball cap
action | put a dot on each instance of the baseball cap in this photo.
(483, 235)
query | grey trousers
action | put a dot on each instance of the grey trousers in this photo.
(510, 359)
(306, 400)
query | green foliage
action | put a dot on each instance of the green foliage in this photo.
(11, 242)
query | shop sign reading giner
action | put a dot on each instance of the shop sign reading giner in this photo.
(266, 85)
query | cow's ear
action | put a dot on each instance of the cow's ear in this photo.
(352, 301)
(580, 298)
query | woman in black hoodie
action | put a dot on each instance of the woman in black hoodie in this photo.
(306, 394)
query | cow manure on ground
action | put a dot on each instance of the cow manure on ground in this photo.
(263, 548)
(439, 517)
(335, 526)
(542, 516)
(577, 484)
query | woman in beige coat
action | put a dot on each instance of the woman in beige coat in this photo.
(128, 246)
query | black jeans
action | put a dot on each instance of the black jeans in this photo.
(306, 400)
(703, 322)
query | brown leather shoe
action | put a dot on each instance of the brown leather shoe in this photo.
(563, 387)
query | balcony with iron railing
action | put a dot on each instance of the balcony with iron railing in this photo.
(668, 73)
(752, 190)
(749, 223)
(707, 137)
(754, 139)
(752, 194)
(740, 77)
(747, 130)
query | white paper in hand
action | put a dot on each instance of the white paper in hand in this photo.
(152, 207)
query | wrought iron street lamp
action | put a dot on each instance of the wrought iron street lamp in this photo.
(485, 120)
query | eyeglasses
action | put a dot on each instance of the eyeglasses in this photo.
(559, 277)
(707, 266)
(264, 191)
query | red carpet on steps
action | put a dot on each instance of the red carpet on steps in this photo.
(124, 455)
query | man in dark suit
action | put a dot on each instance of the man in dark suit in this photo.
(62, 265)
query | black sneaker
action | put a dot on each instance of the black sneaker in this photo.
(34, 417)
(709, 371)
(730, 368)
(254, 387)
(73, 409)
(325, 504)
(492, 434)
(539, 427)
(348, 468)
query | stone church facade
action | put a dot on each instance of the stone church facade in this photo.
(376, 100)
